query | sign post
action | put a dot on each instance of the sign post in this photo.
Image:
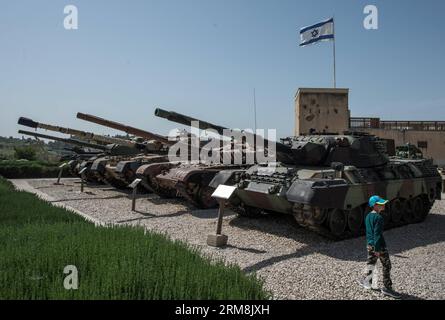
(222, 194)
(81, 178)
(63, 165)
(134, 186)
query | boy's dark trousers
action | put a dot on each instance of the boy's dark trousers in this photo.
(386, 263)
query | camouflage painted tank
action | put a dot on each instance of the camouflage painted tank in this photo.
(327, 184)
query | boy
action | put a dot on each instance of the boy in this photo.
(377, 246)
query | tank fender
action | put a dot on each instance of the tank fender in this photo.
(320, 193)
(226, 177)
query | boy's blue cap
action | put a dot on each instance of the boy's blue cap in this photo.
(376, 200)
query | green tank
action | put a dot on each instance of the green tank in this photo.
(325, 183)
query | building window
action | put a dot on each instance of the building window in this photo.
(422, 144)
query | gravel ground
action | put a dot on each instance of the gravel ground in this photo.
(293, 262)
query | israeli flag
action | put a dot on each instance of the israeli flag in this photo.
(323, 31)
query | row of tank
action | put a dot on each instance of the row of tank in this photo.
(324, 181)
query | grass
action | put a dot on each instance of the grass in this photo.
(20, 169)
(38, 240)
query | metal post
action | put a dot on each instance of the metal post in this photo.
(333, 31)
(254, 107)
(60, 173)
(220, 216)
(133, 202)
(81, 184)
(134, 186)
(218, 239)
(59, 176)
(222, 194)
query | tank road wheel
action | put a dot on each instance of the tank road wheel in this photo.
(337, 222)
(355, 220)
(431, 195)
(426, 207)
(204, 198)
(319, 215)
(386, 214)
(396, 210)
(407, 211)
(418, 210)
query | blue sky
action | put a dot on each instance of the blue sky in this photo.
(204, 58)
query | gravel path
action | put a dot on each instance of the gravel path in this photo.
(293, 262)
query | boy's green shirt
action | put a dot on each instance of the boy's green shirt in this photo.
(374, 223)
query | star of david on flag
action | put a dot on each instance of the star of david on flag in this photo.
(322, 31)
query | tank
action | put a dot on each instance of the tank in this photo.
(113, 147)
(124, 168)
(78, 133)
(191, 180)
(327, 184)
(81, 154)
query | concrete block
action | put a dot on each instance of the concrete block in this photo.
(217, 240)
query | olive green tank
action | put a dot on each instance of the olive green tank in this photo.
(325, 183)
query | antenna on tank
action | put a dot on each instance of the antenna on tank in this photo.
(254, 107)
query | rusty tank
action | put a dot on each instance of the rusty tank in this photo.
(152, 149)
(191, 180)
(326, 182)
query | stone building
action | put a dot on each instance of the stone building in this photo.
(320, 110)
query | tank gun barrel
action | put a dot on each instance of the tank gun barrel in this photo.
(128, 129)
(187, 121)
(69, 141)
(81, 134)
(281, 148)
(78, 150)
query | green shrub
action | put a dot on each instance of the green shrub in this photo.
(22, 169)
(25, 152)
(38, 240)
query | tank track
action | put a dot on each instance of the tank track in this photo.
(414, 210)
(321, 221)
(200, 196)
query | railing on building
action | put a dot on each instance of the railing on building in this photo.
(376, 123)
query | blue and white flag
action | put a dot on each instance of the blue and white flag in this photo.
(322, 31)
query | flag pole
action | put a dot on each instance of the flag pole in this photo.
(333, 46)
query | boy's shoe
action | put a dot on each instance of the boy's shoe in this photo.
(365, 283)
(391, 293)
